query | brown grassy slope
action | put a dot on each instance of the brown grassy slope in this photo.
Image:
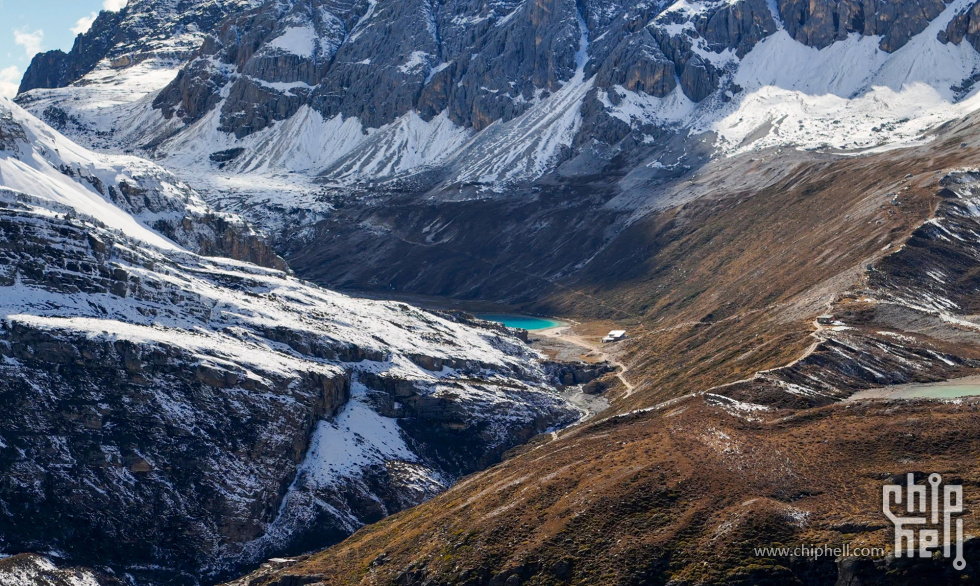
(682, 494)
(714, 291)
(728, 284)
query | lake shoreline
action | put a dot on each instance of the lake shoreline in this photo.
(957, 388)
(523, 322)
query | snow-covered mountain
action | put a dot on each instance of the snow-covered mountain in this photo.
(124, 192)
(36, 570)
(353, 93)
(173, 412)
(315, 119)
(178, 405)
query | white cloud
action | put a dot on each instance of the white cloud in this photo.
(83, 24)
(9, 81)
(31, 41)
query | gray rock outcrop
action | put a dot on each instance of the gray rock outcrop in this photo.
(964, 26)
(819, 23)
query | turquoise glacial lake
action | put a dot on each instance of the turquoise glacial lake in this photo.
(520, 321)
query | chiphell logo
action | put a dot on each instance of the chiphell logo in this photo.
(933, 508)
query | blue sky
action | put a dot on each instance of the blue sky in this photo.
(29, 26)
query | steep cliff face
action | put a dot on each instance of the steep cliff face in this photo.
(349, 59)
(474, 64)
(483, 64)
(55, 69)
(965, 25)
(411, 91)
(821, 23)
(143, 30)
(170, 414)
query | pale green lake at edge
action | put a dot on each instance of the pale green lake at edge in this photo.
(954, 389)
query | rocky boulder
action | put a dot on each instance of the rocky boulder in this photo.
(964, 26)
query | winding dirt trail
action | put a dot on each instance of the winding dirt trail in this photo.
(565, 334)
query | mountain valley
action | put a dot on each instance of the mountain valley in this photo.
(190, 400)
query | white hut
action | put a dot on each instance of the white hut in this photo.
(614, 336)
